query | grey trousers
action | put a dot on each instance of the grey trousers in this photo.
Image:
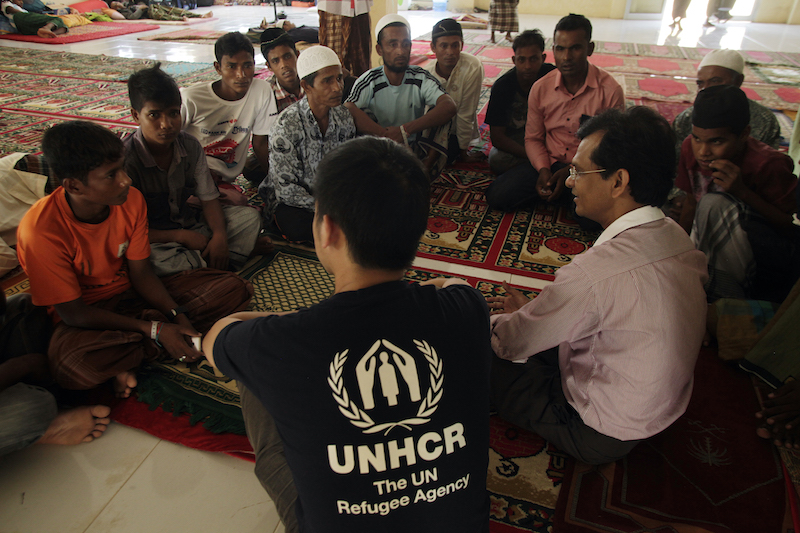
(243, 226)
(26, 412)
(530, 396)
(272, 470)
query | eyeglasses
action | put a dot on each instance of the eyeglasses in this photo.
(574, 174)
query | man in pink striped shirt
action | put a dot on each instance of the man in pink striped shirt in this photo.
(611, 344)
(556, 105)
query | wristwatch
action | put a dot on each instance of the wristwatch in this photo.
(173, 313)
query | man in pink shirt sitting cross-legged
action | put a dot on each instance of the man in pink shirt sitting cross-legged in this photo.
(609, 347)
(557, 103)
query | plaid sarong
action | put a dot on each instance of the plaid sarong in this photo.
(503, 15)
(349, 37)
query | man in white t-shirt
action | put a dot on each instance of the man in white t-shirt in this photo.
(223, 114)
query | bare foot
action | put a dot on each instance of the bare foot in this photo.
(509, 38)
(124, 384)
(45, 33)
(208, 15)
(81, 424)
(263, 246)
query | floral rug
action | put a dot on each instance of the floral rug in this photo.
(463, 230)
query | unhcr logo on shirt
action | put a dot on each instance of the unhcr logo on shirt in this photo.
(378, 374)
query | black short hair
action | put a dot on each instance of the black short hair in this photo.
(231, 44)
(642, 142)
(75, 148)
(152, 85)
(392, 25)
(378, 192)
(528, 38)
(574, 22)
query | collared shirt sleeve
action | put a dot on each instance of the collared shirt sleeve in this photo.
(287, 161)
(535, 130)
(467, 115)
(564, 311)
(206, 190)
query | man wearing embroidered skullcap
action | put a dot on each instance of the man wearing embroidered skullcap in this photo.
(726, 67)
(302, 135)
(461, 75)
(397, 94)
(740, 197)
(280, 54)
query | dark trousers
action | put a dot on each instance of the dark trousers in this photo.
(272, 470)
(516, 189)
(295, 223)
(530, 396)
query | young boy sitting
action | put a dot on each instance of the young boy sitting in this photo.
(168, 166)
(740, 197)
(392, 382)
(86, 252)
(223, 114)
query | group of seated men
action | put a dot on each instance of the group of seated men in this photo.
(369, 411)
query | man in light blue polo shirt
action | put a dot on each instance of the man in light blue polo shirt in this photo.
(397, 95)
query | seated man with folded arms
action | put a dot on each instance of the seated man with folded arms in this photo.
(611, 344)
(726, 67)
(508, 103)
(301, 137)
(740, 197)
(392, 381)
(86, 251)
(557, 104)
(461, 75)
(168, 166)
(397, 95)
(224, 114)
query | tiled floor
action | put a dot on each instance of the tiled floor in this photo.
(128, 481)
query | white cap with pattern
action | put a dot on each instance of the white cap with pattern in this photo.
(316, 58)
(389, 19)
(730, 59)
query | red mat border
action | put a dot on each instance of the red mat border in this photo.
(115, 30)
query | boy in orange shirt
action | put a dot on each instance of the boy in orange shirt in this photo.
(86, 251)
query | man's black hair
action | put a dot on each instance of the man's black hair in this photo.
(574, 22)
(153, 85)
(528, 38)
(642, 142)
(378, 192)
(392, 25)
(311, 78)
(231, 44)
(73, 149)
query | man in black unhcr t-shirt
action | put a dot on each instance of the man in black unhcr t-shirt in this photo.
(379, 393)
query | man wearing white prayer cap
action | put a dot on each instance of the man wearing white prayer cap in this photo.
(390, 100)
(301, 136)
(726, 67)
